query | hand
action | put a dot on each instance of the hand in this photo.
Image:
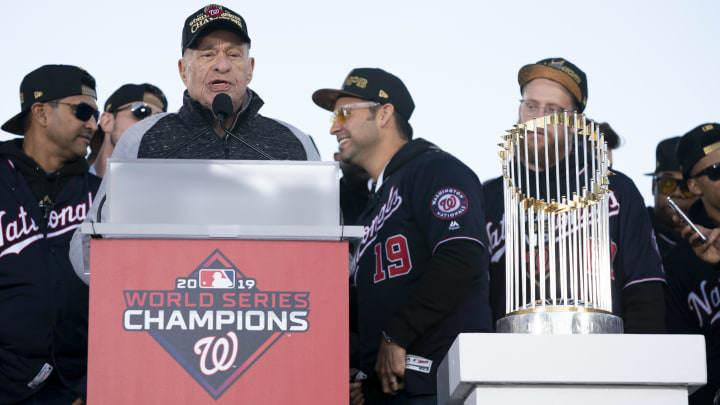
(78, 401)
(356, 395)
(390, 367)
(707, 251)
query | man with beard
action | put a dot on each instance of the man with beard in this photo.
(45, 193)
(420, 271)
(353, 190)
(556, 85)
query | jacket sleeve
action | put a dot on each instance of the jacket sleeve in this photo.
(443, 286)
(456, 241)
(637, 269)
(644, 308)
(306, 140)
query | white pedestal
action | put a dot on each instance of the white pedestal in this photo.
(504, 369)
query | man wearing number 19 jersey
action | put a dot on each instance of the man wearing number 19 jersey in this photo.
(421, 269)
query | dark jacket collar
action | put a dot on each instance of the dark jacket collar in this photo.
(199, 116)
(12, 150)
(409, 151)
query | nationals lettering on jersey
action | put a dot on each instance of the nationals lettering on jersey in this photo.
(705, 303)
(19, 231)
(426, 198)
(496, 231)
(386, 210)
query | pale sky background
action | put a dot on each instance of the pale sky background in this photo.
(652, 66)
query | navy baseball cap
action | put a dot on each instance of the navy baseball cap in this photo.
(370, 84)
(47, 83)
(210, 18)
(558, 70)
(696, 144)
(665, 159)
(127, 93)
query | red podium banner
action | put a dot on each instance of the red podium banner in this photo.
(208, 321)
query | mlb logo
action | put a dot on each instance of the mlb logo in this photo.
(216, 278)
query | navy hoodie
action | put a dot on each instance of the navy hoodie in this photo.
(43, 305)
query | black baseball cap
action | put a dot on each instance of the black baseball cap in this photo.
(696, 144)
(210, 18)
(665, 159)
(559, 70)
(47, 83)
(127, 93)
(370, 84)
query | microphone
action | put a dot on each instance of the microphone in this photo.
(222, 107)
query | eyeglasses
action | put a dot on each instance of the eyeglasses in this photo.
(667, 185)
(139, 110)
(533, 108)
(82, 111)
(712, 171)
(341, 114)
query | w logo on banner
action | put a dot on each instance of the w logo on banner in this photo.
(225, 361)
(216, 278)
(216, 322)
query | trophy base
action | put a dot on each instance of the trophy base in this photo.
(560, 321)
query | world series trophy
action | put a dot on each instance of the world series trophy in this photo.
(557, 241)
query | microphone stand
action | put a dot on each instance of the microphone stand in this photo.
(230, 134)
(186, 143)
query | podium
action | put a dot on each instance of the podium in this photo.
(589, 369)
(209, 306)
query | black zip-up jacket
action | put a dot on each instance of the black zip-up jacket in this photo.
(169, 131)
(421, 272)
(43, 305)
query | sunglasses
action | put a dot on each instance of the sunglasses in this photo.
(343, 113)
(712, 171)
(667, 185)
(139, 110)
(82, 111)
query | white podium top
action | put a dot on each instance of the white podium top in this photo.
(594, 359)
(222, 231)
(198, 192)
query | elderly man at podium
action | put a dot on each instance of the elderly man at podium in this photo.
(219, 118)
(420, 271)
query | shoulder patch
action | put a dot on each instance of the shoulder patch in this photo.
(449, 203)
